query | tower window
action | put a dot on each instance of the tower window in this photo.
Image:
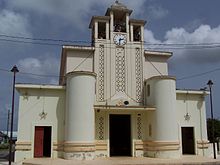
(101, 30)
(118, 28)
(137, 33)
(119, 22)
(148, 90)
(150, 130)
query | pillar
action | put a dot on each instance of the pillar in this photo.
(162, 95)
(79, 119)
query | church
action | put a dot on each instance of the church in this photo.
(114, 98)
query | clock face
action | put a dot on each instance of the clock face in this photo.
(120, 39)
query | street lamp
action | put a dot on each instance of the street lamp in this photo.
(8, 122)
(14, 70)
(210, 83)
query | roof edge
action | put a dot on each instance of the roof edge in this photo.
(190, 91)
(157, 53)
(35, 86)
(79, 47)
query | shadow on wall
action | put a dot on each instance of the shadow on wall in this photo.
(60, 114)
(199, 104)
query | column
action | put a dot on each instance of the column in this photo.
(162, 95)
(79, 119)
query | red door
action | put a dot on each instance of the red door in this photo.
(38, 141)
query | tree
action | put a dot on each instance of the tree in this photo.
(216, 129)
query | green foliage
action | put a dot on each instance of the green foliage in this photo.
(216, 129)
(4, 146)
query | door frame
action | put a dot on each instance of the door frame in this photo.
(127, 119)
(33, 136)
(194, 142)
(132, 119)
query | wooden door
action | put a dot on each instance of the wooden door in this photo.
(39, 142)
(188, 144)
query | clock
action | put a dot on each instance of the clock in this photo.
(120, 39)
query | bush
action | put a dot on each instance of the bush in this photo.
(4, 146)
(216, 129)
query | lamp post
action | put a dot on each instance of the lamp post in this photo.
(210, 83)
(14, 70)
(8, 122)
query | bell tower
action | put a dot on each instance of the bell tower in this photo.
(119, 52)
(119, 23)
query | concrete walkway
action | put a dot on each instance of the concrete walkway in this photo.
(4, 162)
(184, 160)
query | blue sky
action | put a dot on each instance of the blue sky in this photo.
(168, 21)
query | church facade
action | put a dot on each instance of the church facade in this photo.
(114, 98)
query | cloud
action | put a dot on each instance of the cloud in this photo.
(137, 6)
(14, 24)
(40, 66)
(192, 25)
(203, 34)
(156, 12)
(68, 11)
(149, 37)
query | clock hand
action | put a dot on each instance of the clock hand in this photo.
(120, 40)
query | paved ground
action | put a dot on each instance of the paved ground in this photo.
(4, 157)
(6, 163)
(185, 160)
(4, 154)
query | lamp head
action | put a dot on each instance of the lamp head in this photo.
(14, 69)
(210, 83)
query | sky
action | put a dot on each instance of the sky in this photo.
(190, 29)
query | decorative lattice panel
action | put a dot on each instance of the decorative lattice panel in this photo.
(101, 128)
(139, 133)
(138, 73)
(120, 70)
(101, 73)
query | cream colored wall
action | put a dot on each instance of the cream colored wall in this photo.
(80, 124)
(149, 122)
(162, 95)
(31, 103)
(75, 57)
(159, 62)
(105, 128)
(110, 51)
(194, 105)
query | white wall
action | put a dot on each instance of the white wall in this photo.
(32, 102)
(154, 65)
(194, 105)
(76, 57)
